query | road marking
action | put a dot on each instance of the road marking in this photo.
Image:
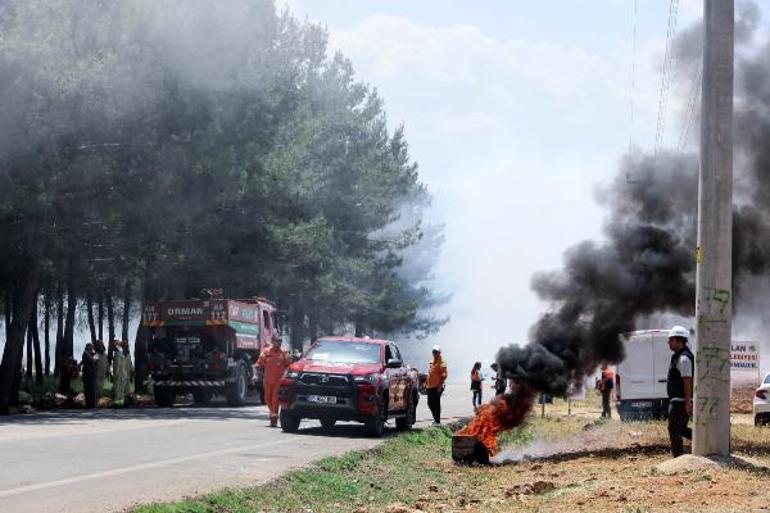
(134, 468)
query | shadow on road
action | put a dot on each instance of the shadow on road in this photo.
(213, 411)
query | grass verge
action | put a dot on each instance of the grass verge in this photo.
(400, 470)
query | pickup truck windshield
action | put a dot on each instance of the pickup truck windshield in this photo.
(341, 351)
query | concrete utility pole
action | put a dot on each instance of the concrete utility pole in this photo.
(714, 301)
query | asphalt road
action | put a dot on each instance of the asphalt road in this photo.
(109, 460)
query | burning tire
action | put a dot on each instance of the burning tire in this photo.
(236, 391)
(164, 397)
(289, 422)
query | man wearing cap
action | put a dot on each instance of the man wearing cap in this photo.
(273, 361)
(680, 373)
(434, 384)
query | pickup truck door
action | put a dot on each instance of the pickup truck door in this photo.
(396, 379)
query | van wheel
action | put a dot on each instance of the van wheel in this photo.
(236, 391)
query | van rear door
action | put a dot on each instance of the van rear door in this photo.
(637, 369)
(662, 361)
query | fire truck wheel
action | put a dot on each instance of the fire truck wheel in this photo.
(202, 396)
(164, 397)
(328, 423)
(236, 391)
(289, 422)
(375, 426)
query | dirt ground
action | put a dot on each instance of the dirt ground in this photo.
(578, 464)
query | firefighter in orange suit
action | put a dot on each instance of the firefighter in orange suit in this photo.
(273, 361)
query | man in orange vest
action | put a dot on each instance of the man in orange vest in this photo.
(605, 385)
(434, 384)
(273, 361)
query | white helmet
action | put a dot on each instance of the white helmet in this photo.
(437, 349)
(679, 331)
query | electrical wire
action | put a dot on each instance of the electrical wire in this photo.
(665, 81)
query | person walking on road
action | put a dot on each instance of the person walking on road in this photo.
(89, 363)
(434, 384)
(273, 361)
(680, 373)
(605, 385)
(476, 379)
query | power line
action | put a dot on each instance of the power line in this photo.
(692, 102)
(665, 81)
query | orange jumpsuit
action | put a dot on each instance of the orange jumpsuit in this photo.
(274, 361)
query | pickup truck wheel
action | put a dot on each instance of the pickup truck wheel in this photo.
(236, 391)
(406, 422)
(328, 423)
(289, 422)
(164, 397)
(202, 396)
(375, 426)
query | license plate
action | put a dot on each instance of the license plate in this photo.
(322, 399)
(641, 404)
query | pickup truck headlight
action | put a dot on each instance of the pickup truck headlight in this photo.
(292, 375)
(369, 379)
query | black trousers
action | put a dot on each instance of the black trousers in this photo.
(677, 427)
(434, 403)
(476, 399)
(606, 409)
(89, 391)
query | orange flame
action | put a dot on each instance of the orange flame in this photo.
(502, 413)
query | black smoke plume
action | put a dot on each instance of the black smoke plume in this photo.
(646, 265)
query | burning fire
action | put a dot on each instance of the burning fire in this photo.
(502, 413)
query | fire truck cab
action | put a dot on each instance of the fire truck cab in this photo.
(207, 347)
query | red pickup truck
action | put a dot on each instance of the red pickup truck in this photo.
(354, 379)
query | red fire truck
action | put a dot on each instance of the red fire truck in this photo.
(206, 347)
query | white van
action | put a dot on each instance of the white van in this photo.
(640, 379)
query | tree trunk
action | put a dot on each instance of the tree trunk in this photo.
(68, 340)
(28, 370)
(297, 332)
(110, 327)
(46, 334)
(90, 315)
(59, 332)
(126, 310)
(35, 331)
(101, 319)
(23, 297)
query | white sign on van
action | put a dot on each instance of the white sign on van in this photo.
(744, 362)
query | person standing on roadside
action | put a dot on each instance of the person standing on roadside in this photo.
(680, 374)
(273, 361)
(434, 384)
(476, 379)
(89, 364)
(102, 367)
(498, 379)
(605, 385)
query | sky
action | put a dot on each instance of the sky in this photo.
(516, 112)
